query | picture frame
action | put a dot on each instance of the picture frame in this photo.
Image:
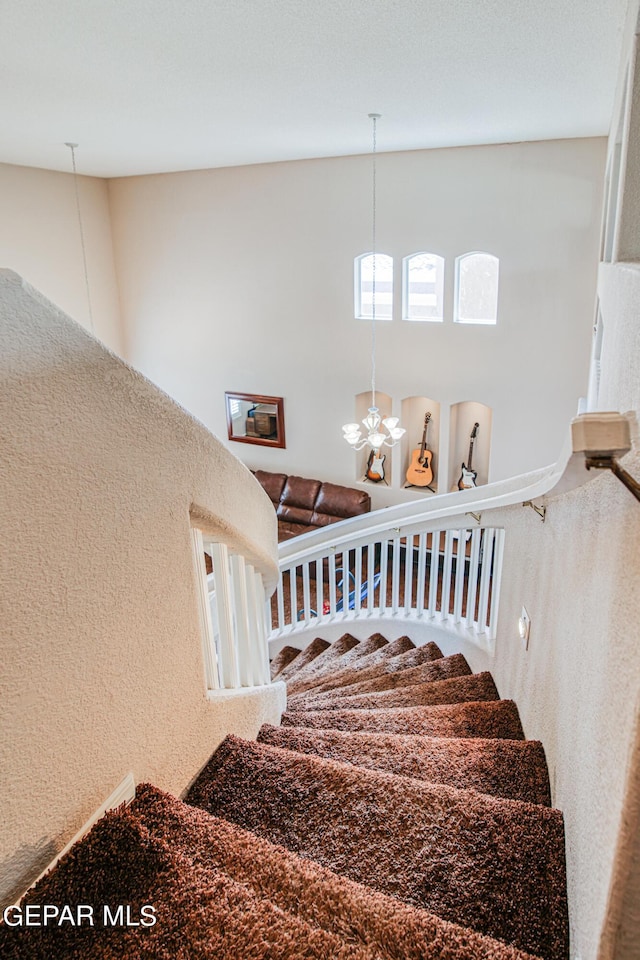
(255, 418)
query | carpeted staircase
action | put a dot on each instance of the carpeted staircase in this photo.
(398, 812)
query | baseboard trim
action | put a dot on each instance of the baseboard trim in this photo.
(124, 793)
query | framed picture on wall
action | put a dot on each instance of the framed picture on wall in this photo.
(255, 418)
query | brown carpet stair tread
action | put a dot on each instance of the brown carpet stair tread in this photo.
(327, 660)
(369, 668)
(440, 669)
(200, 912)
(373, 643)
(485, 719)
(305, 657)
(478, 686)
(281, 660)
(394, 649)
(496, 866)
(308, 890)
(512, 769)
(222, 893)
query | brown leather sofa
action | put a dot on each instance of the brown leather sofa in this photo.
(302, 505)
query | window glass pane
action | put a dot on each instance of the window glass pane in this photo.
(477, 298)
(383, 286)
(423, 287)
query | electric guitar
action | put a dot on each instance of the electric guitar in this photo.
(419, 472)
(468, 476)
(375, 466)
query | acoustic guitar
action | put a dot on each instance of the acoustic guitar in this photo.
(375, 466)
(468, 475)
(419, 472)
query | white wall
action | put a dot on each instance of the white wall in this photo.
(578, 684)
(242, 279)
(40, 240)
(101, 649)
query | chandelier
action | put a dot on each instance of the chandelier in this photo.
(379, 432)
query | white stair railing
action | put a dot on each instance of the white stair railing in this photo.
(449, 575)
(358, 567)
(233, 620)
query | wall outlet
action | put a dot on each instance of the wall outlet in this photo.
(524, 628)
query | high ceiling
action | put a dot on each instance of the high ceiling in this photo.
(146, 86)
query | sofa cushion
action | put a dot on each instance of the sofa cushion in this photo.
(337, 503)
(272, 483)
(297, 500)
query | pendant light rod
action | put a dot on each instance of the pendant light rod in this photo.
(375, 436)
(374, 117)
(72, 147)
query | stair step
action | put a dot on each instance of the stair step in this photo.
(329, 657)
(367, 669)
(393, 649)
(487, 719)
(373, 643)
(478, 686)
(305, 657)
(281, 660)
(389, 928)
(512, 769)
(496, 866)
(441, 669)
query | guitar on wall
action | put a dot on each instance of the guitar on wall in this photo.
(420, 472)
(468, 475)
(375, 466)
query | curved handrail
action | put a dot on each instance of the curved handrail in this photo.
(453, 585)
(566, 474)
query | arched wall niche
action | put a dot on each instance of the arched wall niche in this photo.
(463, 417)
(384, 404)
(414, 411)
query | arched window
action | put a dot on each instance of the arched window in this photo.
(422, 287)
(363, 275)
(476, 288)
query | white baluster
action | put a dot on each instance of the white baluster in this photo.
(472, 585)
(261, 671)
(358, 574)
(332, 586)
(371, 567)
(496, 580)
(242, 618)
(458, 595)
(446, 574)
(408, 574)
(306, 593)
(395, 576)
(320, 587)
(384, 562)
(434, 574)
(280, 597)
(228, 654)
(293, 595)
(212, 678)
(485, 578)
(422, 569)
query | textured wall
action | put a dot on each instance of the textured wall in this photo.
(244, 278)
(578, 684)
(102, 667)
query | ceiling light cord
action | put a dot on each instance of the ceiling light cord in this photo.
(72, 147)
(374, 423)
(374, 117)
